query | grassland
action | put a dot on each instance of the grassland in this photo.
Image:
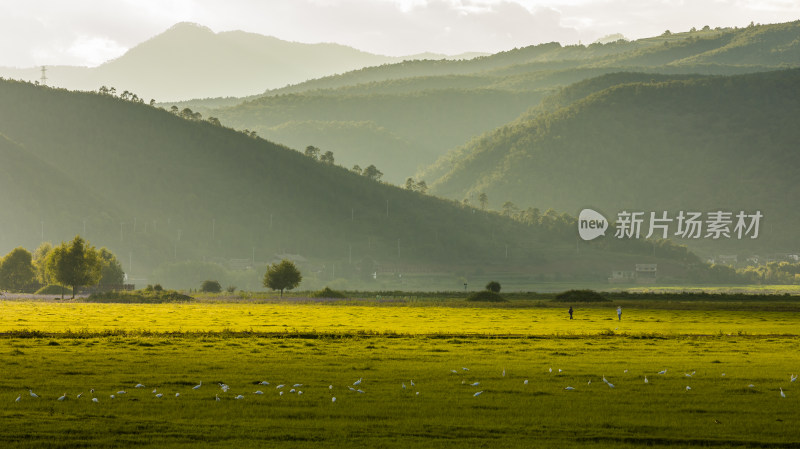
(55, 348)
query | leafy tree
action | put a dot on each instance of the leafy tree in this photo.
(483, 198)
(373, 173)
(214, 121)
(509, 209)
(283, 275)
(422, 187)
(74, 264)
(312, 152)
(210, 287)
(111, 271)
(39, 258)
(327, 158)
(493, 287)
(356, 169)
(410, 184)
(16, 270)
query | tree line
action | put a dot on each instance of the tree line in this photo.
(70, 264)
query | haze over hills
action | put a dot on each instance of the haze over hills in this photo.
(648, 143)
(418, 110)
(191, 61)
(165, 194)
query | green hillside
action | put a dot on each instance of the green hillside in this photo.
(436, 106)
(641, 142)
(166, 194)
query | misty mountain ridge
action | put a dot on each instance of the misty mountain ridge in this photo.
(191, 61)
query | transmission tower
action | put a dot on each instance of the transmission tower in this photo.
(43, 79)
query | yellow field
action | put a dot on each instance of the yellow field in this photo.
(272, 318)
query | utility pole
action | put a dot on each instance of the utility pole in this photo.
(43, 79)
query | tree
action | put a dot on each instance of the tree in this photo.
(373, 173)
(327, 158)
(356, 169)
(493, 287)
(483, 198)
(410, 184)
(312, 152)
(283, 275)
(210, 287)
(509, 209)
(422, 187)
(16, 270)
(74, 264)
(111, 270)
(39, 259)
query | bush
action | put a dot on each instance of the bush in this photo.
(580, 296)
(210, 287)
(143, 296)
(486, 296)
(328, 293)
(53, 289)
(493, 287)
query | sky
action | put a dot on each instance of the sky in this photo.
(90, 32)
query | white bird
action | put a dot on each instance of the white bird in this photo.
(474, 395)
(18, 398)
(360, 391)
(333, 399)
(139, 386)
(687, 374)
(351, 388)
(292, 390)
(197, 387)
(475, 384)
(504, 372)
(159, 395)
(112, 396)
(569, 388)
(95, 400)
(33, 395)
(358, 382)
(525, 382)
(264, 382)
(280, 393)
(783, 395)
(559, 370)
(550, 370)
(412, 382)
(645, 379)
(465, 369)
(454, 371)
(793, 378)
(217, 397)
(590, 382)
(751, 386)
(63, 397)
(404, 385)
(79, 395)
(91, 391)
(239, 397)
(279, 386)
(299, 393)
(122, 392)
(154, 390)
(224, 387)
(723, 374)
(177, 395)
(604, 379)
(298, 385)
(610, 385)
(330, 387)
(626, 371)
(662, 372)
(258, 392)
(688, 388)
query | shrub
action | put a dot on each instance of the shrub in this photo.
(328, 293)
(580, 296)
(210, 287)
(486, 296)
(493, 287)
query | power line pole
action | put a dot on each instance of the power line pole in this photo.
(43, 79)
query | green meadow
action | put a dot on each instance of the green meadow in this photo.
(420, 369)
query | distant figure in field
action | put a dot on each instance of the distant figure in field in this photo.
(619, 313)
(570, 312)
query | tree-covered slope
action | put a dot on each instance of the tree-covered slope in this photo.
(703, 143)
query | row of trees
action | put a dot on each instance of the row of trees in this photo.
(71, 264)
(370, 172)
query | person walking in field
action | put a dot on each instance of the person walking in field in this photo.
(570, 312)
(619, 313)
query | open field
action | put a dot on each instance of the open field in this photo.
(57, 348)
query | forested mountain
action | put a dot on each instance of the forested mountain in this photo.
(650, 143)
(161, 191)
(434, 106)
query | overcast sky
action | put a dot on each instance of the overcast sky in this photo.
(89, 32)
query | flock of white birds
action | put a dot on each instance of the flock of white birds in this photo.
(355, 388)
